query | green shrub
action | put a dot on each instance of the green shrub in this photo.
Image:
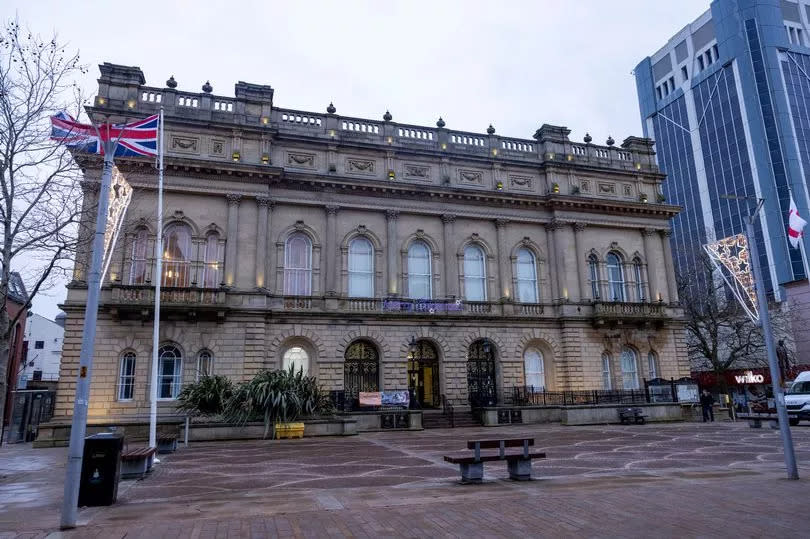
(206, 397)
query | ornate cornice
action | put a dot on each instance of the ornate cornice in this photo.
(448, 218)
(265, 202)
(332, 209)
(579, 227)
(233, 199)
(501, 222)
(392, 215)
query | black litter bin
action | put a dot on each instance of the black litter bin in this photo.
(101, 469)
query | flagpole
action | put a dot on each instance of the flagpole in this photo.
(158, 277)
(78, 427)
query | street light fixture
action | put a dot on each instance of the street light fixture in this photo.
(767, 333)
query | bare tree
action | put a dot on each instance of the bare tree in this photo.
(41, 197)
(720, 335)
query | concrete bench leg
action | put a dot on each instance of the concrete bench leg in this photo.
(774, 424)
(755, 423)
(134, 469)
(520, 469)
(472, 473)
(169, 446)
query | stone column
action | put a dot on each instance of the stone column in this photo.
(504, 277)
(330, 262)
(555, 258)
(392, 252)
(450, 273)
(672, 283)
(265, 207)
(653, 260)
(580, 263)
(563, 282)
(233, 231)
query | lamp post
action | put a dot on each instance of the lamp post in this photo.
(767, 334)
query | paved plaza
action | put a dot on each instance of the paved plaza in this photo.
(686, 479)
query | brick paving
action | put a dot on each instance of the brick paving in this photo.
(684, 479)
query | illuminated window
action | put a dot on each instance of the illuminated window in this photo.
(629, 368)
(526, 276)
(211, 268)
(419, 273)
(361, 268)
(535, 374)
(298, 265)
(137, 257)
(296, 357)
(177, 255)
(126, 377)
(170, 373)
(475, 278)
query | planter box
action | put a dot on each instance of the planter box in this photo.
(289, 430)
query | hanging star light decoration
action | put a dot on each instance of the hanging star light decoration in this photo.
(731, 258)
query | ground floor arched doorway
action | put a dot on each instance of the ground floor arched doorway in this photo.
(481, 384)
(423, 374)
(361, 370)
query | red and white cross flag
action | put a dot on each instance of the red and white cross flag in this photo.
(795, 224)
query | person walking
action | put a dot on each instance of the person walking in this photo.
(707, 403)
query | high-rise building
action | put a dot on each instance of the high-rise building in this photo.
(727, 100)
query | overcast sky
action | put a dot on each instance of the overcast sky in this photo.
(514, 64)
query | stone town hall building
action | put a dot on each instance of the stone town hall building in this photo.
(377, 255)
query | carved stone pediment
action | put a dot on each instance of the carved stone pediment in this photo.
(300, 160)
(181, 144)
(360, 166)
(470, 176)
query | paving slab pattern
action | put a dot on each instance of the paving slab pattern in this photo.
(682, 479)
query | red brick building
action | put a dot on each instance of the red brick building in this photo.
(16, 301)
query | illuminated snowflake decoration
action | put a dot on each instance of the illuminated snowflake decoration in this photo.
(120, 196)
(731, 258)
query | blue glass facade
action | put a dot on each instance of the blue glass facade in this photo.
(674, 151)
(725, 157)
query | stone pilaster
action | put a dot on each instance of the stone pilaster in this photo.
(672, 283)
(450, 273)
(330, 261)
(89, 207)
(265, 206)
(233, 236)
(653, 263)
(581, 264)
(554, 228)
(504, 280)
(392, 286)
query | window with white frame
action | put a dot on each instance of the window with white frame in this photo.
(526, 276)
(126, 377)
(137, 257)
(534, 369)
(607, 375)
(474, 274)
(205, 364)
(170, 371)
(361, 268)
(211, 269)
(652, 365)
(297, 358)
(177, 255)
(298, 265)
(638, 274)
(420, 275)
(615, 277)
(593, 272)
(629, 362)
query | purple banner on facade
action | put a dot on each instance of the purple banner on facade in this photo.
(420, 305)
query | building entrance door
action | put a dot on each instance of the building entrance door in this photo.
(423, 374)
(481, 374)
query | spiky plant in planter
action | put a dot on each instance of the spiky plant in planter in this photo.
(205, 397)
(270, 396)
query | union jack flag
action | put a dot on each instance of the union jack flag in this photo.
(136, 139)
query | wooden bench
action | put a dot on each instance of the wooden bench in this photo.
(632, 415)
(519, 463)
(135, 463)
(166, 444)
(755, 419)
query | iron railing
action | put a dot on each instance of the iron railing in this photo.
(530, 396)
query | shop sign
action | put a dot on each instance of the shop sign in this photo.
(748, 377)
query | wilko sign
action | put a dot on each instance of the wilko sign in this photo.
(748, 377)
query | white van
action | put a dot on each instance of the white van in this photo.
(797, 398)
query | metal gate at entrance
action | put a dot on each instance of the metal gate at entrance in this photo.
(423, 374)
(481, 374)
(361, 370)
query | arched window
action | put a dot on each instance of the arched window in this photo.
(652, 365)
(126, 377)
(526, 276)
(593, 272)
(211, 277)
(205, 364)
(629, 368)
(607, 375)
(420, 276)
(534, 369)
(298, 265)
(361, 268)
(170, 371)
(176, 255)
(475, 278)
(297, 357)
(638, 274)
(615, 277)
(137, 258)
